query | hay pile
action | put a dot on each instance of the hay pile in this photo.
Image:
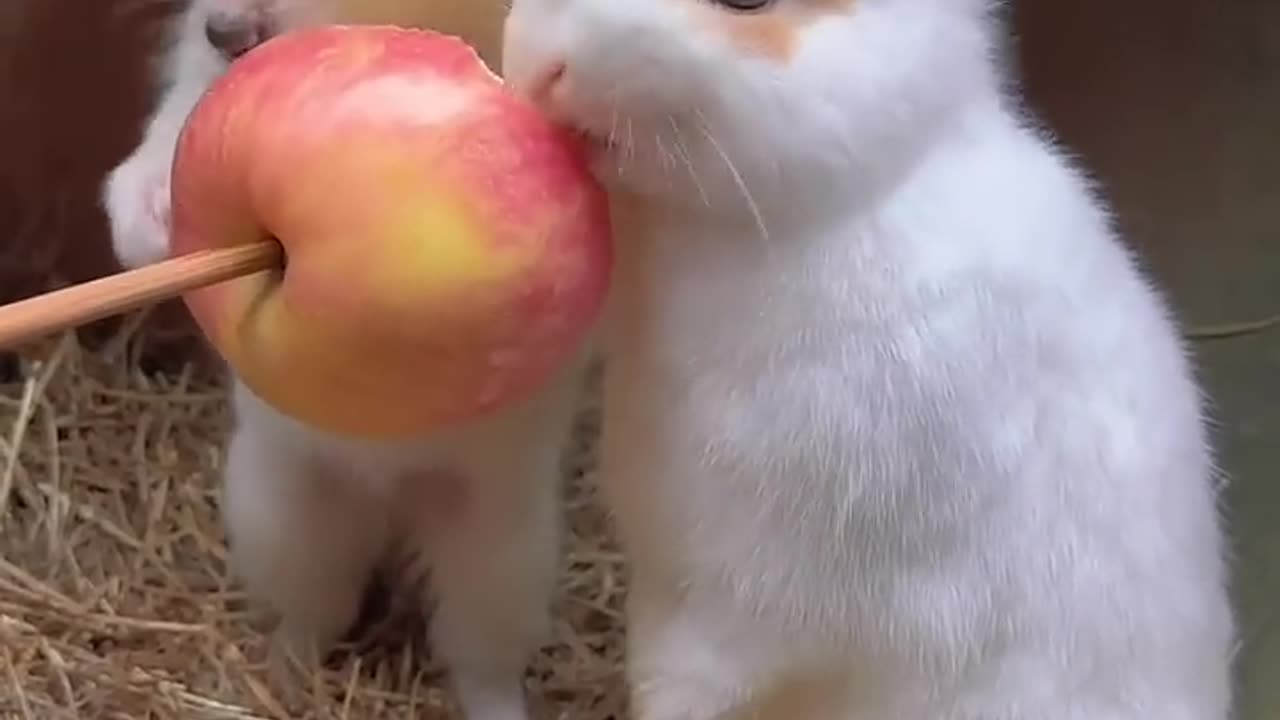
(114, 598)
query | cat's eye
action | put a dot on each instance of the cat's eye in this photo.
(744, 5)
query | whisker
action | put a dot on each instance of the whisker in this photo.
(665, 157)
(737, 177)
(683, 152)
(670, 163)
(630, 148)
(613, 133)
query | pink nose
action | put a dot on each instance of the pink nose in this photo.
(233, 35)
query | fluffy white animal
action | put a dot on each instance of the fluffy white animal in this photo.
(894, 428)
(309, 514)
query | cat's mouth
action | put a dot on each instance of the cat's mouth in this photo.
(624, 153)
(600, 149)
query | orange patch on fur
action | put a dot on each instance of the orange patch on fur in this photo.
(773, 36)
(774, 32)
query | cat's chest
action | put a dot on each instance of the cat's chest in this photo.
(684, 303)
(713, 349)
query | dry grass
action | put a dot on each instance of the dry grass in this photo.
(114, 597)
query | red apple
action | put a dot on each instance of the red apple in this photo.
(446, 250)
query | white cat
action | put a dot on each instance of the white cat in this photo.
(309, 514)
(894, 429)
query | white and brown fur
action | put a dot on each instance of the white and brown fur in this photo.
(894, 428)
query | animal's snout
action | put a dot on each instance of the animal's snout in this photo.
(234, 34)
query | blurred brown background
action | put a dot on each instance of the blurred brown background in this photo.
(1174, 104)
(72, 90)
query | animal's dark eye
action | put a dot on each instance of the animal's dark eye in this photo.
(743, 5)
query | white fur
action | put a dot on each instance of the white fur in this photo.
(310, 514)
(894, 428)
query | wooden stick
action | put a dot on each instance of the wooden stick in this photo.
(29, 319)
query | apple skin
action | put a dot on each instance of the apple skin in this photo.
(446, 249)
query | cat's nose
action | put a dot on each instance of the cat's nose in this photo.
(235, 34)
